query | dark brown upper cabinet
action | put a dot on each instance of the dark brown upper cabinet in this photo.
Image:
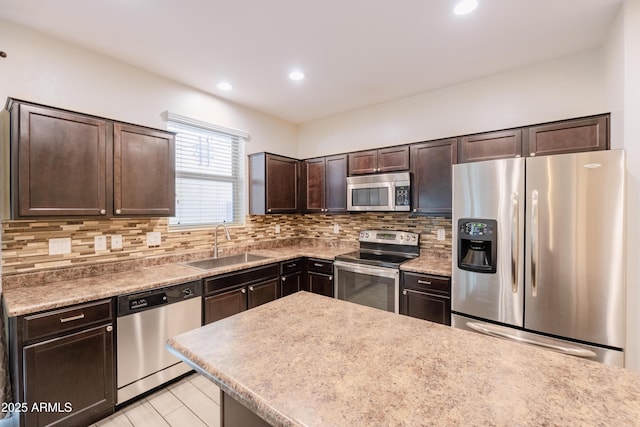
(68, 164)
(326, 184)
(490, 146)
(431, 170)
(570, 136)
(144, 171)
(567, 136)
(273, 184)
(382, 160)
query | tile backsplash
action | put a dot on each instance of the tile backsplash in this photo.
(25, 246)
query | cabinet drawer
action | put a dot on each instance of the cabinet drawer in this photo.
(320, 266)
(251, 275)
(427, 283)
(291, 266)
(68, 319)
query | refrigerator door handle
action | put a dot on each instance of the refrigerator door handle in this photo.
(535, 229)
(515, 244)
(499, 332)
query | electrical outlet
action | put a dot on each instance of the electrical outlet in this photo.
(440, 233)
(277, 228)
(116, 241)
(336, 229)
(100, 243)
(60, 246)
(153, 239)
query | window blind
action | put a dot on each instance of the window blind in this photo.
(209, 174)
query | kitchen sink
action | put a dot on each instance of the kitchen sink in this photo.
(210, 263)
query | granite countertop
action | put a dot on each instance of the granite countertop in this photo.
(56, 293)
(316, 361)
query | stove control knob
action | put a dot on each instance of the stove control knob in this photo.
(414, 238)
(366, 235)
(402, 237)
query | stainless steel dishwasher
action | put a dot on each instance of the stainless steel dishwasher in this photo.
(145, 321)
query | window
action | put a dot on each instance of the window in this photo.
(209, 173)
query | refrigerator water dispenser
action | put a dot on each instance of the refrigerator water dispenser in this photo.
(477, 244)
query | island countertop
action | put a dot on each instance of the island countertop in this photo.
(316, 361)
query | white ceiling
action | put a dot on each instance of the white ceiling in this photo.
(355, 53)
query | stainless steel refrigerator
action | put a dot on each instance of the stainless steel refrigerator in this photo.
(538, 251)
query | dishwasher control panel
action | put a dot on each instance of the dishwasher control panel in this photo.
(146, 300)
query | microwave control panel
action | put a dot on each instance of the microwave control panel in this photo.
(402, 196)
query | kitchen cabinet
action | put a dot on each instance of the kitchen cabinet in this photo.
(68, 164)
(64, 357)
(326, 184)
(291, 275)
(319, 277)
(566, 136)
(426, 297)
(144, 171)
(273, 184)
(431, 169)
(490, 146)
(569, 136)
(388, 159)
(231, 293)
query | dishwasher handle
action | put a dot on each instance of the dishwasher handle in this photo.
(147, 300)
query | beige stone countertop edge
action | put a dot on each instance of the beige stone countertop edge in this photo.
(32, 299)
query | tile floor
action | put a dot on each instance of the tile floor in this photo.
(194, 401)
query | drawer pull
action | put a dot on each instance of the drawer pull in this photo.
(317, 264)
(72, 318)
(251, 288)
(424, 282)
(291, 265)
(109, 328)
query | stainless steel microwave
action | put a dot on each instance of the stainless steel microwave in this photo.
(382, 192)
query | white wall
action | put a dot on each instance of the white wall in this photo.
(564, 88)
(49, 71)
(632, 147)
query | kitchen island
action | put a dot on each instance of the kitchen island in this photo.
(311, 360)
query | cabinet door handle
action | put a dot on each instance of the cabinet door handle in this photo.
(251, 288)
(244, 291)
(284, 279)
(103, 211)
(72, 318)
(268, 210)
(330, 278)
(109, 328)
(118, 211)
(317, 264)
(424, 282)
(404, 292)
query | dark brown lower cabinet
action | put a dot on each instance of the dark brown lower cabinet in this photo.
(64, 373)
(225, 304)
(231, 293)
(426, 297)
(263, 292)
(291, 273)
(319, 277)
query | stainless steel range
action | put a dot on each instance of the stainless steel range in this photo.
(371, 275)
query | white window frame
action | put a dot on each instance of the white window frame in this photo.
(238, 138)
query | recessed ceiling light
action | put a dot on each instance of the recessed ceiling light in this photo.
(465, 6)
(296, 75)
(225, 86)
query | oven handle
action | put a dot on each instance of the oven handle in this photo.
(367, 269)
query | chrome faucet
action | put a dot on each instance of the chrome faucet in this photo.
(215, 237)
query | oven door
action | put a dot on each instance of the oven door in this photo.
(376, 287)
